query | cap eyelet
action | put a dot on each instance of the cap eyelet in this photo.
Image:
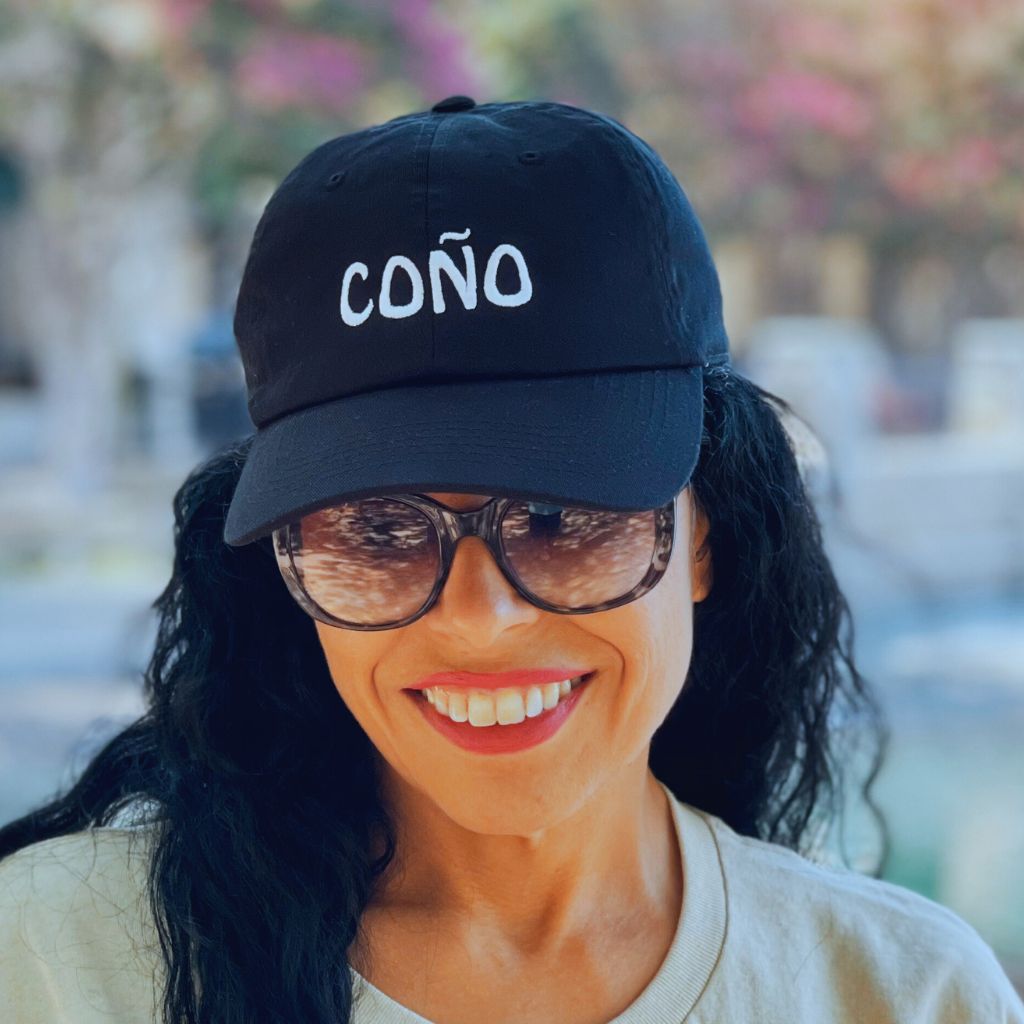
(334, 180)
(531, 157)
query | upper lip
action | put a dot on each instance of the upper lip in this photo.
(495, 680)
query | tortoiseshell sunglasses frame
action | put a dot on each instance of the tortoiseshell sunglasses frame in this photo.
(450, 527)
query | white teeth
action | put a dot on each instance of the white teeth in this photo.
(506, 706)
(510, 706)
(481, 710)
(534, 702)
(457, 710)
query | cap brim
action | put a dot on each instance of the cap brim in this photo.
(625, 440)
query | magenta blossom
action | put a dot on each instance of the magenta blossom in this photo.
(302, 68)
(801, 99)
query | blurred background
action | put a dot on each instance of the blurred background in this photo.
(858, 168)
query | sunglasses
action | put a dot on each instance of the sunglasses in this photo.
(381, 562)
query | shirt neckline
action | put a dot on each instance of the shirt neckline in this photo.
(691, 958)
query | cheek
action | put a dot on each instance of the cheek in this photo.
(669, 646)
(653, 637)
(351, 657)
(674, 625)
(665, 614)
(656, 640)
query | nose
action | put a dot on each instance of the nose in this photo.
(478, 605)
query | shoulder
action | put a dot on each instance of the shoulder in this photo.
(885, 945)
(75, 925)
(94, 867)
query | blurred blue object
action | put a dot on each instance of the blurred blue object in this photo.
(218, 382)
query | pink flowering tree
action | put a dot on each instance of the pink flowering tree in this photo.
(886, 119)
(276, 78)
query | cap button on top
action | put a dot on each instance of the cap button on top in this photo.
(451, 103)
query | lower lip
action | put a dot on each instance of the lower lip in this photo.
(503, 739)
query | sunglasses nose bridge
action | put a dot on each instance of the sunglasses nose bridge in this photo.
(471, 523)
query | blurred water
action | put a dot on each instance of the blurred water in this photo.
(71, 649)
(950, 673)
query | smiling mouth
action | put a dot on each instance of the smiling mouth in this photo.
(506, 706)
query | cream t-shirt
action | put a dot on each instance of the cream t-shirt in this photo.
(766, 936)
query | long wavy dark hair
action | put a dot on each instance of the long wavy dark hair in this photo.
(263, 792)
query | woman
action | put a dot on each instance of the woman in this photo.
(494, 677)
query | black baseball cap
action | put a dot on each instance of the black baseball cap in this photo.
(508, 298)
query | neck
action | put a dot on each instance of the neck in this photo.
(613, 861)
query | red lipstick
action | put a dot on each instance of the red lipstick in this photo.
(504, 739)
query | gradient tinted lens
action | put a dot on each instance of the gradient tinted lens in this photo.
(369, 562)
(375, 560)
(578, 557)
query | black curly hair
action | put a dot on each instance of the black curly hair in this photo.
(262, 864)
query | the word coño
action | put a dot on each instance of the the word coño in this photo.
(464, 282)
